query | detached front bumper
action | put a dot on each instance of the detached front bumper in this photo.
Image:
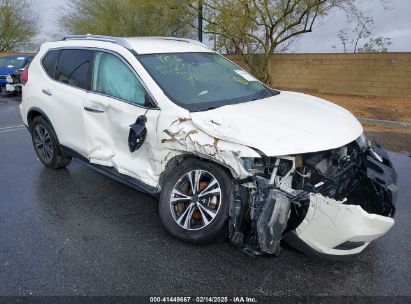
(335, 229)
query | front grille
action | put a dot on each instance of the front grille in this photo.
(3, 76)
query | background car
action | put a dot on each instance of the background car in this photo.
(10, 69)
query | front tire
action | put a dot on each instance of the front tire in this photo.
(46, 144)
(194, 201)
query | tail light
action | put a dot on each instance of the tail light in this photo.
(24, 76)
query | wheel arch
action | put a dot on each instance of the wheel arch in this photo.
(35, 112)
(179, 159)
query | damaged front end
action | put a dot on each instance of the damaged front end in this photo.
(330, 204)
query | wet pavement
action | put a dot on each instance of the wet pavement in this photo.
(75, 232)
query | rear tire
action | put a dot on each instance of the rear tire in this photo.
(197, 216)
(46, 144)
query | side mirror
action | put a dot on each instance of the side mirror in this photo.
(137, 133)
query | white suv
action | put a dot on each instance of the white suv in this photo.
(170, 117)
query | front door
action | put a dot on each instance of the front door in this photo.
(116, 101)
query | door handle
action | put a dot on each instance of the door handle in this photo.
(47, 92)
(93, 109)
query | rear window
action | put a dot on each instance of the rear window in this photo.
(73, 68)
(49, 62)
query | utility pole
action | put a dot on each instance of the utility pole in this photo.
(200, 20)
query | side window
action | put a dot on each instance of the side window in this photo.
(49, 62)
(73, 68)
(113, 77)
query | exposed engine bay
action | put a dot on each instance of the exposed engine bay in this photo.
(330, 203)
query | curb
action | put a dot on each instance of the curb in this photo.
(385, 123)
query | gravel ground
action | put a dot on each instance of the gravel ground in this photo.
(387, 108)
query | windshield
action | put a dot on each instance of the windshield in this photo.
(202, 81)
(12, 62)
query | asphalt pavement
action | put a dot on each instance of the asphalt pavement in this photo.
(76, 232)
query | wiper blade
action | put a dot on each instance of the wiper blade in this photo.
(207, 109)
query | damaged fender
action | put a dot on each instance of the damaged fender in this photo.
(179, 136)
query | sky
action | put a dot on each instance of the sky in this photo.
(394, 22)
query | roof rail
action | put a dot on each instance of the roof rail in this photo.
(124, 43)
(111, 39)
(180, 39)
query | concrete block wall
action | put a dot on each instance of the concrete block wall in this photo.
(373, 74)
(2, 54)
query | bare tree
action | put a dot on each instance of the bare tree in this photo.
(248, 27)
(360, 39)
(18, 24)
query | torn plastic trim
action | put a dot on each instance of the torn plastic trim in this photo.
(268, 209)
(272, 222)
(112, 173)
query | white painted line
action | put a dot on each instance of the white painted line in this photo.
(11, 127)
(9, 110)
(10, 130)
(6, 110)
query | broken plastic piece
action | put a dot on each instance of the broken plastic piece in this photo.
(329, 223)
(272, 222)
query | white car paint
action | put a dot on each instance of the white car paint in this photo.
(286, 124)
(329, 223)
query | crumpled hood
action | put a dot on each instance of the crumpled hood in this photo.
(288, 123)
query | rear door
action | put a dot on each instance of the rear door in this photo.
(117, 99)
(66, 96)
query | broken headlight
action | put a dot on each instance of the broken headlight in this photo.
(253, 165)
(247, 163)
(264, 166)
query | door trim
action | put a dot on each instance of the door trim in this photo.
(113, 173)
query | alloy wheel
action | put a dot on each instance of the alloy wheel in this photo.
(195, 199)
(42, 142)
